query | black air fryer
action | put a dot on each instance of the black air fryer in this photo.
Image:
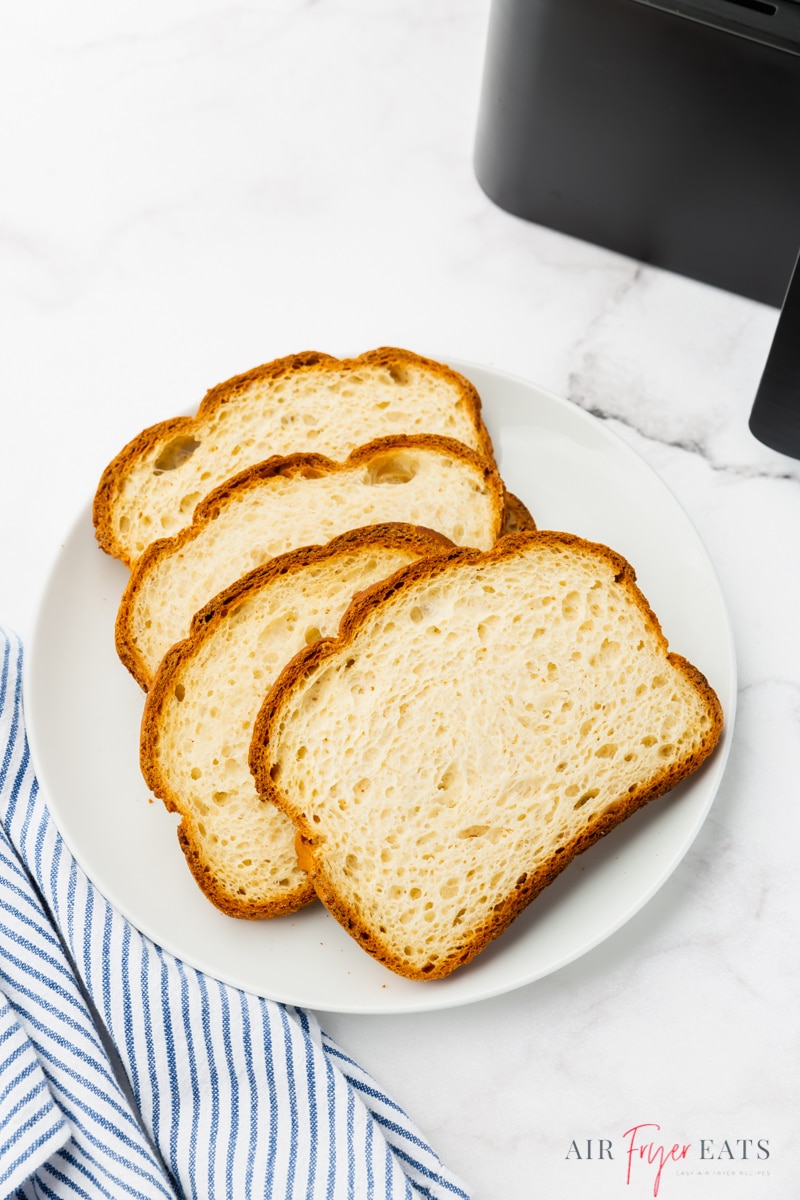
(667, 131)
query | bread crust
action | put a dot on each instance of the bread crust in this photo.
(152, 440)
(530, 884)
(517, 518)
(303, 465)
(414, 540)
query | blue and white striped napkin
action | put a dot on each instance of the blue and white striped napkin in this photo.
(125, 1073)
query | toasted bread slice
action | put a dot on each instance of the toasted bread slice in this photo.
(309, 402)
(199, 714)
(479, 721)
(300, 500)
(517, 517)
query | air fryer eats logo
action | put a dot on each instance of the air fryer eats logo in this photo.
(647, 1156)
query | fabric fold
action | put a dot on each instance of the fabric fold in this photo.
(219, 1095)
(32, 1127)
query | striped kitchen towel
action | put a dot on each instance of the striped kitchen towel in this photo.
(125, 1073)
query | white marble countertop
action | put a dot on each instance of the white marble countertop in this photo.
(192, 187)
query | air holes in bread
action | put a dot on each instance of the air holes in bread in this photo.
(180, 691)
(312, 635)
(391, 468)
(570, 606)
(175, 454)
(485, 625)
(187, 505)
(474, 831)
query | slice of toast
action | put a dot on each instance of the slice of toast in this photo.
(517, 517)
(479, 721)
(199, 713)
(309, 402)
(301, 500)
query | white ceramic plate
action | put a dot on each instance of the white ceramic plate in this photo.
(83, 713)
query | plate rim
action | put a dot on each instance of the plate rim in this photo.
(429, 1000)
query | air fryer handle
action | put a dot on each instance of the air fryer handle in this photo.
(775, 419)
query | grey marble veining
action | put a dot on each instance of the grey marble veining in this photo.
(192, 188)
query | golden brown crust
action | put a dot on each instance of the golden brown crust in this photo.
(400, 536)
(289, 902)
(528, 886)
(303, 465)
(388, 535)
(108, 487)
(516, 516)
(308, 661)
(307, 465)
(527, 889)
(155, 437)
